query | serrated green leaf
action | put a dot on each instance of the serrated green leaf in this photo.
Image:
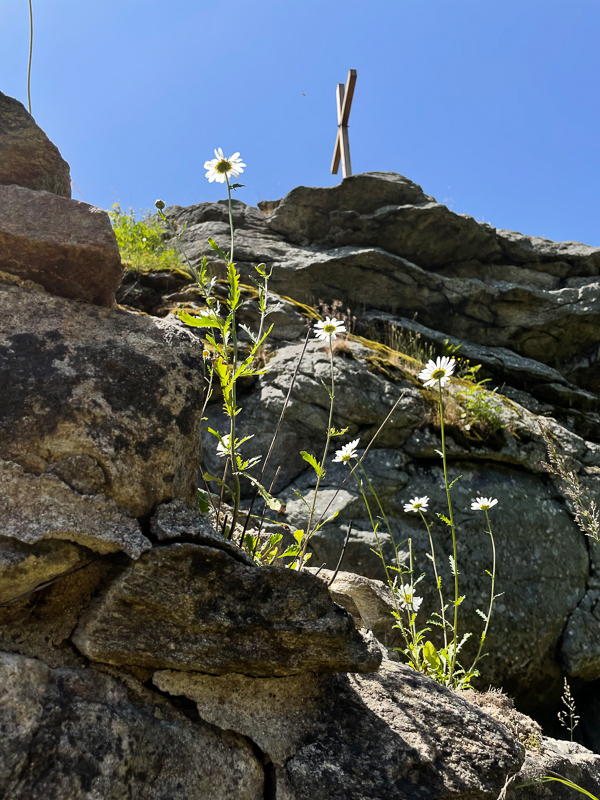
(313, 462)
(201, 321)
(218, 250)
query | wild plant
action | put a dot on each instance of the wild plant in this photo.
(223, 358)
(141, 241)
(440, 663)
(568, 718)
(587, 515)
(478, 403)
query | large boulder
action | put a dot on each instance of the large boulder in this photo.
(96, 402)
(27, 157)
(193, 607)
(72, 734)
(66, 246)
(394, 734)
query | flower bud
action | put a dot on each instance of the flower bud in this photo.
(160, 204)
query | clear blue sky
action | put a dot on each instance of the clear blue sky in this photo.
(493, 106)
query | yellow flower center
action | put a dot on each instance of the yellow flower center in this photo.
(223, 167)
(329, 329)
(438, 374)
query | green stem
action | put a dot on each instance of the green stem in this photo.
(437, 579)
(309, 532)
(492, 595)
(30, 55)
(234, 470)
(385, 567)
(453, 529)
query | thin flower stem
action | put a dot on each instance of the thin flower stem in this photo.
(278, 428)
(309, 530)
(234, 469)
(360, 460)
(376, 496)
(492, 594)
(390, 581)
(455, 627)
(437, 579)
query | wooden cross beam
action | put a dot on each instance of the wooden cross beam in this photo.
(344, 95)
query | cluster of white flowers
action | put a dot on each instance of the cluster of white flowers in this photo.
(417, 504)
(477, 504)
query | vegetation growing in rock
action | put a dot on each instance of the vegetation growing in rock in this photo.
(141, 241)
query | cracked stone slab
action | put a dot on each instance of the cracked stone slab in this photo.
(78, 734)
(175, 521)
(192, 607)
(66, 246)
(394, 734)
(23, 567)
(38, 507)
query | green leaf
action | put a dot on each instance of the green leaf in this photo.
(313, 462)
(298, 536)
(208, 477)
(198, 322)
(444, 519)
(430, 654)
(234, 300)
(454, 481)
(218, 250)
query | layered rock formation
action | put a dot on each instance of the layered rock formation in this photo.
(409, 274)
(145, 655)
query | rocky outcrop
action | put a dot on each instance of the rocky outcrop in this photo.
(416, 738)
(66, 246)
(29, 158)
(80, 734)
(192, 607)
(97, 402)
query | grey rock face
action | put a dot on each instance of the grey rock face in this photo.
(79, 735)
(27, 157)
(393, 734)
(66, 246)
(109, 402)
(194, 607)
(90, 520)
(559, 758)
(23, 568)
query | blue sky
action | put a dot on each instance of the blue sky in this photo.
(491, 105)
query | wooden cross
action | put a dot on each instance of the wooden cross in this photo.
(344, 95)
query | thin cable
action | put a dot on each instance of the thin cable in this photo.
(30, 55)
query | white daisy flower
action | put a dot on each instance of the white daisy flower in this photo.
(439, 370)
(328, 328)
(220, 168)
(417, 504)
(482, 504)
(223, 448)
(347, 452)
(408, 600)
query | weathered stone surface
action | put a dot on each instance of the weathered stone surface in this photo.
(394, 734)
(531, 250)
(581, 640)
(187, 606)
(304, 214)
(107, 400)
(39, 625)
(27, 157)
(176, 522)
(79, 735)
(37, 507)
(23, 568)
(369, 601)
(568, 760)
(66, 246)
